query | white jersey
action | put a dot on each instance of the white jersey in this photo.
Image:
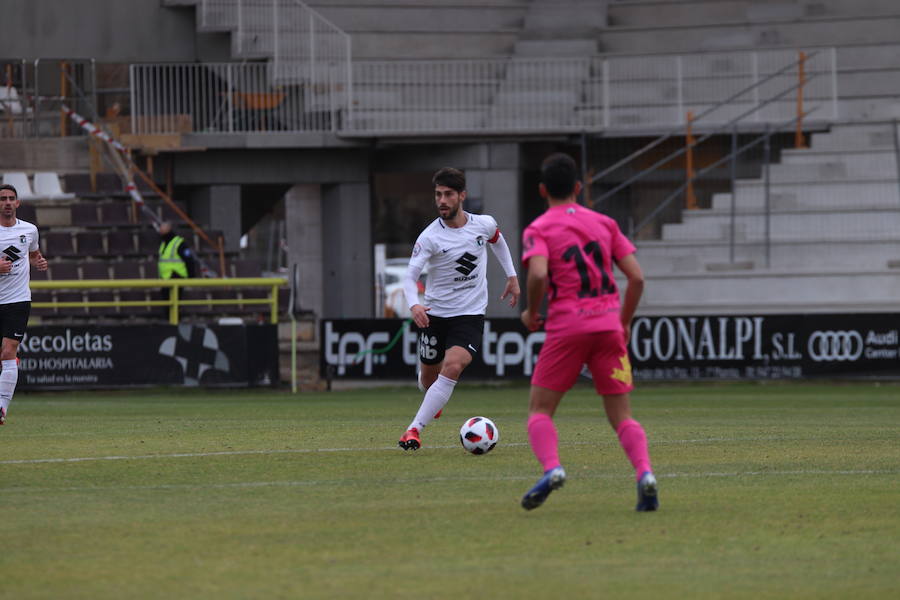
(457, 265)
(15, 244)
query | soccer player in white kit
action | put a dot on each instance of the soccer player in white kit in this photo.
(451, 323)
(17, 238)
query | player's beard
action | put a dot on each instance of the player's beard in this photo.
(452, 211)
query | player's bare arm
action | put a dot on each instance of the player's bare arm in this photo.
(536, 287)
(512, 290)
(632, 270)
(5, 265)
(37, 260)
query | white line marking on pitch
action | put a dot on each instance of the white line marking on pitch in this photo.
(313, 483)
(31, 461)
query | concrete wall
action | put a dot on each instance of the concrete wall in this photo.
(267, 166)
(105, 30)
(329, 237)
(218, 207)
(347, 259)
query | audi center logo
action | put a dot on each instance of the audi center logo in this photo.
(835, 346)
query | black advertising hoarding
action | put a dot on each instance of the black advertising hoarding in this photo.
(119, 356)
(661, 348)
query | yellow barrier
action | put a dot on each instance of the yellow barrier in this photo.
(173, 302)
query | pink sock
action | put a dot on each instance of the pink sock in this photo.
(544, 440)
(634, 442)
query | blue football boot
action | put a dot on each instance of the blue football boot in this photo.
(647, 493)
(552, 480)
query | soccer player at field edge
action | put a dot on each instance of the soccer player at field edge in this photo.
(452, 324)
(16, 238)
(571, 250)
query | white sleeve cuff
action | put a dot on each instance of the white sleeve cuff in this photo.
(501, 251)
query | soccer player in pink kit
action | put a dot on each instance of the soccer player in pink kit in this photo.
(571, 249)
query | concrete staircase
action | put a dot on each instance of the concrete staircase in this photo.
(434, 29)
(653, 26)
(835, 213)
(863, 31)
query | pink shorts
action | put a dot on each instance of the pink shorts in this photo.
(604, 353)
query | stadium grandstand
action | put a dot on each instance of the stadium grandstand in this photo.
(750, 148)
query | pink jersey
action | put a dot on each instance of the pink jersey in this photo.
(581, 246)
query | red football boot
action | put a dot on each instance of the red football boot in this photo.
(410, 440)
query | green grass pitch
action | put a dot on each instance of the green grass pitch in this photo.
(766, 491)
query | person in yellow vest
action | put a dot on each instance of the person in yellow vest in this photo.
(176, 259)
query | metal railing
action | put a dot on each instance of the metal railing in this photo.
(174, 302)
(307, 56)
(773, 96)
(844, 190)
(492, 96)
(228, 98)
(31, 93)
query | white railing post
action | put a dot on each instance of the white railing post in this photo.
(679, 116)
(229, 96)
(132, 94)
(605, 93)
(240, 26)
(313, 75)
(755, 74)
(834, 84)
(349, 91)
(276, 45)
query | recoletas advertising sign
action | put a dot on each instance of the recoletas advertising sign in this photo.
(121, 355)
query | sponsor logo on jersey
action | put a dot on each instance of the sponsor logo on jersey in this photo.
(12, 253)
(467, 264)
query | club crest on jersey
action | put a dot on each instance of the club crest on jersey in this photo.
(22, 238)
(479, 240)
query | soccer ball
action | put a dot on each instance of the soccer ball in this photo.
(479, 435)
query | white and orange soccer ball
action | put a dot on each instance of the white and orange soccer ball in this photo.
(479, 435)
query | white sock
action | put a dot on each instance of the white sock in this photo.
(435, 399)
(8, 379)
(422, 388)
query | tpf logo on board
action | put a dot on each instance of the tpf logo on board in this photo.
(835, 346)
(501, 350)
(342, 349)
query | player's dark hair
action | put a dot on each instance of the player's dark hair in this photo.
(450, 177)
(558, 174)
(6, 186)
